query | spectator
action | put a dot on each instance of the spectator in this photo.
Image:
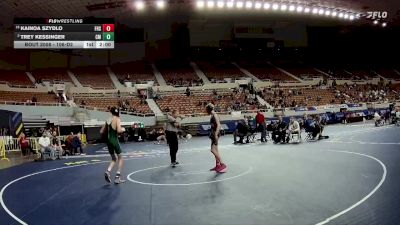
(57, 146)
(387, 116)
(152, 135)
(279, 132)
(377, 117)
(217, 108)
(68, 142)
(294, 127)
(77, 144)
(25, 146)
(187, 92)
(241, 131)
(261, 126)
(45, 147)
(215, 92)
(318, 127)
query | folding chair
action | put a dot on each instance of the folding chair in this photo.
(49, 155)
(309, 135)
(297, 135)
(251, 137)
(268, 136)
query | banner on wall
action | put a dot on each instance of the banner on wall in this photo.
(354, 105)
(236, 113)
(300, 109)
(341, 106)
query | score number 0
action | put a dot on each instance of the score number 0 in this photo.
(108, 27)
(108, 32)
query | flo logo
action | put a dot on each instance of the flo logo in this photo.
(377, 15)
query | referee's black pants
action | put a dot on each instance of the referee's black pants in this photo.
(172, 139)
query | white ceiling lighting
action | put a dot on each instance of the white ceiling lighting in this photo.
(258, 5)
(275, 6)
(200, 4)
(307, 10)
(267, 6)
(384, 24)
(210, 4)
(351, 17)
(376, 22)
(327, 13)
(315, 11)
(229, 4)
(139, 5)
(239, 5)
(334, 14)
(299, 9)
(321, 11)
(249, 5)
(292, 8)
(340, 15)
(220, 4)
(283, 7)
(346, 16)
(160, 4)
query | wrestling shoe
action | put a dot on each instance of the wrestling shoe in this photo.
(118, 180)
(222, 168)
(107, 177)
(214, 168)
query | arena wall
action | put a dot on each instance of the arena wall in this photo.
(127, 52)
(87, 57)
(61, 111)
(48, 59)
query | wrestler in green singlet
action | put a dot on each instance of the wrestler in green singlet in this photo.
(113, 145)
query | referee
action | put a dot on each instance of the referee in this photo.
(172, 135)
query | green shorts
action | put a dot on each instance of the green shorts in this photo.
(114, 148)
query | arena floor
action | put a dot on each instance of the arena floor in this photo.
(351, 178)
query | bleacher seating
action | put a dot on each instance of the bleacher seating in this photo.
(16, 96)
(370, 93)
(220, 71)
(396, 87)
(52, 75)
(338, 73)
(299, 69)
(179, 76)
(304, 72)
(195, 103)
(360, 74)
(135, 72)
(303, 97)
(388, 73)
(95, 77)
(15, 77)
(103, 103)
(266, 72)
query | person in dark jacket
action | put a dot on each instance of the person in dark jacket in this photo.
(77, 144)
(242, 130)
(279, 130)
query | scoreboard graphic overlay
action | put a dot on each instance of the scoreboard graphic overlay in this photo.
(41, 33)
